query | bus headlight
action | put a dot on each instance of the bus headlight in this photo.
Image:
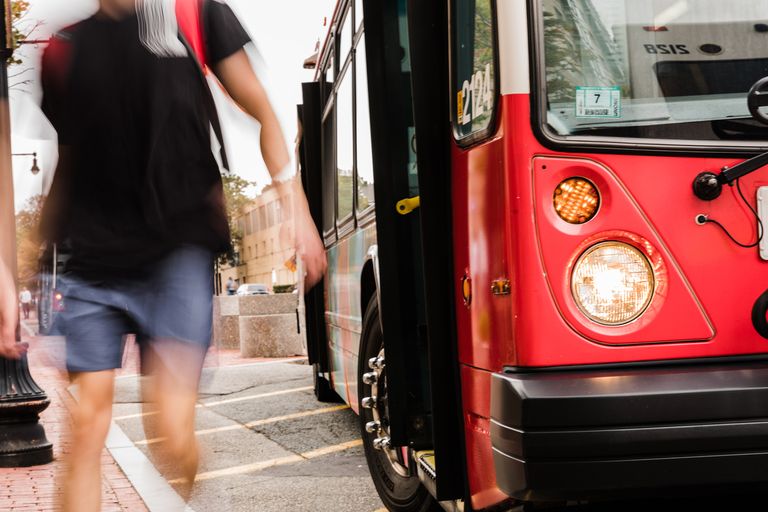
(612, 283)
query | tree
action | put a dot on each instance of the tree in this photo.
(28, 240)
(19, 9)
(21, 30)
(236, 198)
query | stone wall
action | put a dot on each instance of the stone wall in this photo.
(259, 325)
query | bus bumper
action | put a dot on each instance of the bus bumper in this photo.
(588, 434)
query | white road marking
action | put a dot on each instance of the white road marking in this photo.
(220, 402)
(256, 423)
(252, 397)
(259, 466)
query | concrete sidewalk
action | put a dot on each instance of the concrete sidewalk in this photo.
(38, 488)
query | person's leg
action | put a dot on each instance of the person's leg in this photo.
(91, 420)
(94, 326)
(170, 396)
(178, 325)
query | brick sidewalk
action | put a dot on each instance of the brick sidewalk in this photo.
(37, 489)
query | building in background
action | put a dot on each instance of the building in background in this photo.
(266, 249)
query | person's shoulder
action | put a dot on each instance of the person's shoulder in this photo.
(62, 39)
(56, 55)
(68, 32)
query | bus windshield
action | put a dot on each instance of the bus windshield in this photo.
(660, 69)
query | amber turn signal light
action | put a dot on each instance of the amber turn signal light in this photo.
(576, 200)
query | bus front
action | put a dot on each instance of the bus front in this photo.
(610, 245)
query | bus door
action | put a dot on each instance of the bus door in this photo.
(401, 290)
(407, 67)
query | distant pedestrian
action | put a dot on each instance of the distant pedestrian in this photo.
(25, 297)
(231, 286)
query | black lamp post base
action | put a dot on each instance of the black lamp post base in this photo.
(22, 440)
(22, 437)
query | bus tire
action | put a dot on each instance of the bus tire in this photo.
(399, 493)
(323, 390)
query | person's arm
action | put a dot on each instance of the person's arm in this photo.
(238, 78)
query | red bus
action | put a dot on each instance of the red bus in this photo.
(544, 227)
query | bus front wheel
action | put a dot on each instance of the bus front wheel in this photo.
(398, 487)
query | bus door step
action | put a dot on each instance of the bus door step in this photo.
(427, 470)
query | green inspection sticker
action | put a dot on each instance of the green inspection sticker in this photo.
(598, 102)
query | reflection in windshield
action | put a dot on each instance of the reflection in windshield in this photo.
(661, 68)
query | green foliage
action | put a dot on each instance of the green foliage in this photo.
(19, 9)
(345, 194)
(580, 50)
(236, 198)
(283, 288)
(28, 240)
(364, 190)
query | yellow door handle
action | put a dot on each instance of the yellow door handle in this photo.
(406, 206)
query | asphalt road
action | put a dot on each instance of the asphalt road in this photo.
(266, 443)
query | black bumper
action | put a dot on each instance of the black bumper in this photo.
(580, 435)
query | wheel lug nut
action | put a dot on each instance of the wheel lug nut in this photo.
(370, 378)
(372, 427)
(368, 402)
(376, 363)
(382, 443)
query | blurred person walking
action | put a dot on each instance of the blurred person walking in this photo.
(138, 197)
(231, 286)
(25, 297)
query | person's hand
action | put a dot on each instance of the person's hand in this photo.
(9, 316)
(301, 233)
(310, 249)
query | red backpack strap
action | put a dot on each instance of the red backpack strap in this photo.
(189, 17)
(57, 58)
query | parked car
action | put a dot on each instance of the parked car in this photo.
(252, 289)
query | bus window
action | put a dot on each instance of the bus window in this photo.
(344, 145)
(474, 69)
(329, 170)
(358, 13)
(654, 70)
(363, 131)
(344, 38)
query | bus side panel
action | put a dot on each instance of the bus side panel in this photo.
(344, 313)
(482, 227)
(482, 254)
(476, 386)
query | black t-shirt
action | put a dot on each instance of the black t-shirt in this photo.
(137, 176)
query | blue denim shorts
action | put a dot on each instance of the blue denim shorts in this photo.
(172, 300)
